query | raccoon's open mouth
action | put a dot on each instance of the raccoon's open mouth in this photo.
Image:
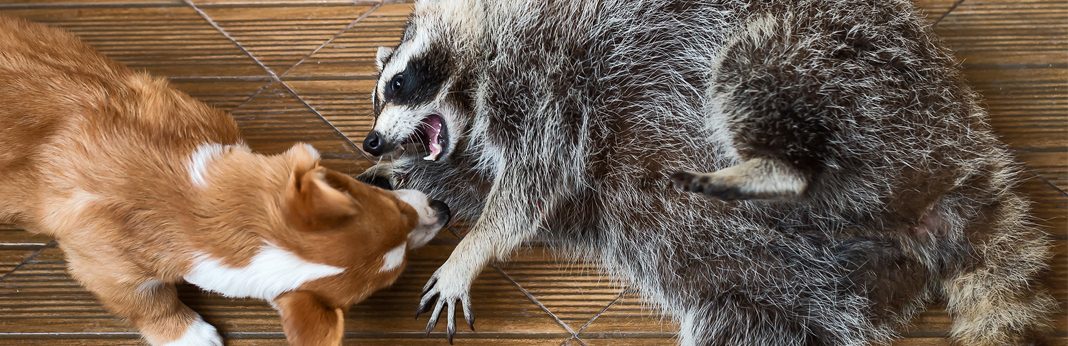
(433, 135)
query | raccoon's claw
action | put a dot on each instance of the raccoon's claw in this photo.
(424, 308)
(468, 315)
(442, 295)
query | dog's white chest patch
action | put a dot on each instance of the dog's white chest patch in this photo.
(393, 259)
(271, 272)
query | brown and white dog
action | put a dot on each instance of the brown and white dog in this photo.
(143, 187)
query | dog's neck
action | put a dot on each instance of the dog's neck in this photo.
(230, 185)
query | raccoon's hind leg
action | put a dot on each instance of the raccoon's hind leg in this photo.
(998, 299)
(769, 109)
(759, 178)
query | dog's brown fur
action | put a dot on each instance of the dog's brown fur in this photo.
(98, 157)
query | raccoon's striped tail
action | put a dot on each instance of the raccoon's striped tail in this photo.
(999, 299)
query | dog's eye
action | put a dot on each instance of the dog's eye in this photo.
(397, 82)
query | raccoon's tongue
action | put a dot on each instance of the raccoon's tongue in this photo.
(432, 131)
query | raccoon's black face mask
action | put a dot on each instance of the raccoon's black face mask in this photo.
(410, 113)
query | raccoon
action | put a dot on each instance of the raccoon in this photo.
(846, 174)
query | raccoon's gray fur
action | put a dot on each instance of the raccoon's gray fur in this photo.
(866, 179)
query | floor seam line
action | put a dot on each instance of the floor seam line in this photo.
(1050, 183)
(29, 258)
(524, 291)
(323, 118)
(273, 75)
(231, 38)
(257, 93)
(342, 32)
(613, 302)
(944, 15)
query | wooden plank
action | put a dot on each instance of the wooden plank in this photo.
(608, 339)
(15, 238)
(1008, 33)
(1050, 204)
(165, 41)
(280, 36)
(1013, 54)
(352, 55)
(934, 10)
(516, 340)
(1021, 115)
(225, 95)
(36, 4)
(66, 339)
(273, 121)
(46, 292)
(1026, 106)
(346, 103)
(435, 341)
(9, 259)
(42, 298)
(268, 3)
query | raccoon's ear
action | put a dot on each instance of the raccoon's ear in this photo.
(384, 53)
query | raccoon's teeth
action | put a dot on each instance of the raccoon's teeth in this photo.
(435, 151)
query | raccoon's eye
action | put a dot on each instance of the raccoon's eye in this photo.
(397, 82)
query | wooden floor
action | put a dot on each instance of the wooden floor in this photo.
(282, 67)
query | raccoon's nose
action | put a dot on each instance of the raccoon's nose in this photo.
(373, 144)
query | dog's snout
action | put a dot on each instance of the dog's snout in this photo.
(374, 144)
(443, 211)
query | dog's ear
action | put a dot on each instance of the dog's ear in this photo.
(315, 199)
(384, 53)
(308, 322)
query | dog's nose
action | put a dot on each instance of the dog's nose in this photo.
(373, 144)
(443, 211)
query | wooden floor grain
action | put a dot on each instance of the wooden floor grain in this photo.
(293, 70)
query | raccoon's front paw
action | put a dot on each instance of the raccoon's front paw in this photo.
(373, 176)
(446, 288)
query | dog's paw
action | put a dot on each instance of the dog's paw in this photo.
(199, 333)
(444, 290)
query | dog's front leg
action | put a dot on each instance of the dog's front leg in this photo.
(150, 304)
(510, 217)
